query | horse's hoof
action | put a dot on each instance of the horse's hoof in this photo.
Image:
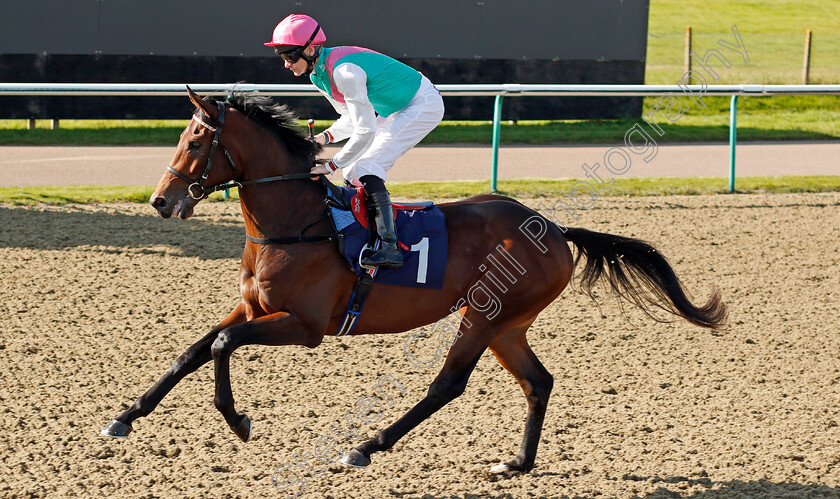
(500, 468)
(355, 458)
(116, 429)
(243, 428)
(508, 469)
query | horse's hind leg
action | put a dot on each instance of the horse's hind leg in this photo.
(513, 352)
(194, 357)
(447, 386)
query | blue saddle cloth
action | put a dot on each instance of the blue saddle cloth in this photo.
(423, 232)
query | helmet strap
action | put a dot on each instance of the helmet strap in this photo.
(311, 59)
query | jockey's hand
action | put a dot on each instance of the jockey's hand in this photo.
(321, 139)
(320, 170)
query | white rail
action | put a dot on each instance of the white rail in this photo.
(490, 90)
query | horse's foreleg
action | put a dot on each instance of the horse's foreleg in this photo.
(447, 386)
(194, 357)
(274, 330)
(513, 352)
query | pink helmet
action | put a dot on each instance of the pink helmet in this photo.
(297, 30)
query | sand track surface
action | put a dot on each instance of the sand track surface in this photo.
(98, 301)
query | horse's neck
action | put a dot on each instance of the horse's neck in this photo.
(280, 208)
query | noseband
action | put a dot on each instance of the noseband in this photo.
(196, 188)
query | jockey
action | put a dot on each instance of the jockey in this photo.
(386, 108)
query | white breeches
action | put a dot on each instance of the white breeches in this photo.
(398, 133)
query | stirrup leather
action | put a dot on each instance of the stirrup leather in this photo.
(388, 254)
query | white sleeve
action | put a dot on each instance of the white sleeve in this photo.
(351, 81)
(342, 128)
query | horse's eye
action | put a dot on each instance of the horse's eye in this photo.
(194, 144)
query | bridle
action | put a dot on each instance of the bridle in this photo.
(198, 191)
(196, 188)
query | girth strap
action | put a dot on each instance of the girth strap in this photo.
(361, 289)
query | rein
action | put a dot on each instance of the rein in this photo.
(196, 188)
(198, 191)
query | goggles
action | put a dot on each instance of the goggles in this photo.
(292, 56)
(296, 53)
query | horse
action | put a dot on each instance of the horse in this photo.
(295, 285)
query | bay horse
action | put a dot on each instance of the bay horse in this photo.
(295, 290)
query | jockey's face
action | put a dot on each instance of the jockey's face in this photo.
(299, 67)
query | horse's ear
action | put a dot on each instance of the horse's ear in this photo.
(198, 102)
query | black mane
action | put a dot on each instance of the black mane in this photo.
(276, 117)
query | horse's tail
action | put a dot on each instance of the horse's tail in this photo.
(637, 272)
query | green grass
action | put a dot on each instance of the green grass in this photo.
(75, 194)
(764, 16)
(759, 118)
(773, 32)
(93, 132)
(774, 59)
(519, 188)
(651, 186)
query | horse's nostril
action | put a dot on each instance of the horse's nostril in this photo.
(159, 202)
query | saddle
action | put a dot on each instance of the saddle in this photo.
(357, 205)
(349, 214)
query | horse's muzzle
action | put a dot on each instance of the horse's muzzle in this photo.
(163, 207)
(167, 207)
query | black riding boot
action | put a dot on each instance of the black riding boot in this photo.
(389, 254)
